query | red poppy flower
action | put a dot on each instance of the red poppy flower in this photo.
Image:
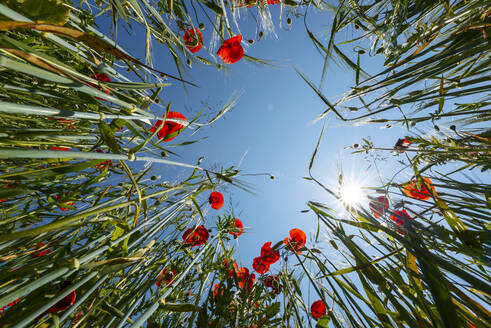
(101, 77)
(66, 202)
(235, 267)
(64, 303)
(170, 130)
(398, 217)
(268, 254)
(215, 290)
(273, 281)
(401, 145)
(103, 165)
(296, 241)
(193, 40)
(250, 281)
(59, 148)
(43, 252)
(168, 277)
(239, 227)
(231, 50)
(318, 309)
(422, 193)
(243, 277)
(378, 206)
(273, 2)
(216, 200)
(195, 236)
(260, 265)
(250, 3)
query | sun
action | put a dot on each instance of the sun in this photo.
(351, 193)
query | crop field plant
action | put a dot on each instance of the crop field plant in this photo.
(90, 236)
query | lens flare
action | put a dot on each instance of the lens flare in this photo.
(351, 193)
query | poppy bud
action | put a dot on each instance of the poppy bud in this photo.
(201, 26)
(261, 34)
(209, 230)
(250, 41)
(437, 128)
(380, 50)
(453, 127)
(289, 21)
(271, 177)
(361, 52)
(153, 178)
(188, 61)
(157, 100)
(356, 145)
(356, 27)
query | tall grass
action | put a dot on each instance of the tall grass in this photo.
(431, 268)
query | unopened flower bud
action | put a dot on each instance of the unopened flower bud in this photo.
(201, 26)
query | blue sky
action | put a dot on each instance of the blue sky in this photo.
(272, 125)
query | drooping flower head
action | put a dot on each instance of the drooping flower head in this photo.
(260, 265)
(399, 216)
(167, 276)
(239, 228)
(231, 51)
(195, 236)
(273, 281)
(296, 241)
(378, 206)
(318, 309)
(268, 255)
(401, 145)
(170, 130)
(421, 193)
(193, 40)
(216, 200)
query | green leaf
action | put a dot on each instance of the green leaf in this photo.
(323, 322)
(108, 136)
(183, 307)
(203, 318)
(217, 9)
(42, 11)
(273, 309)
